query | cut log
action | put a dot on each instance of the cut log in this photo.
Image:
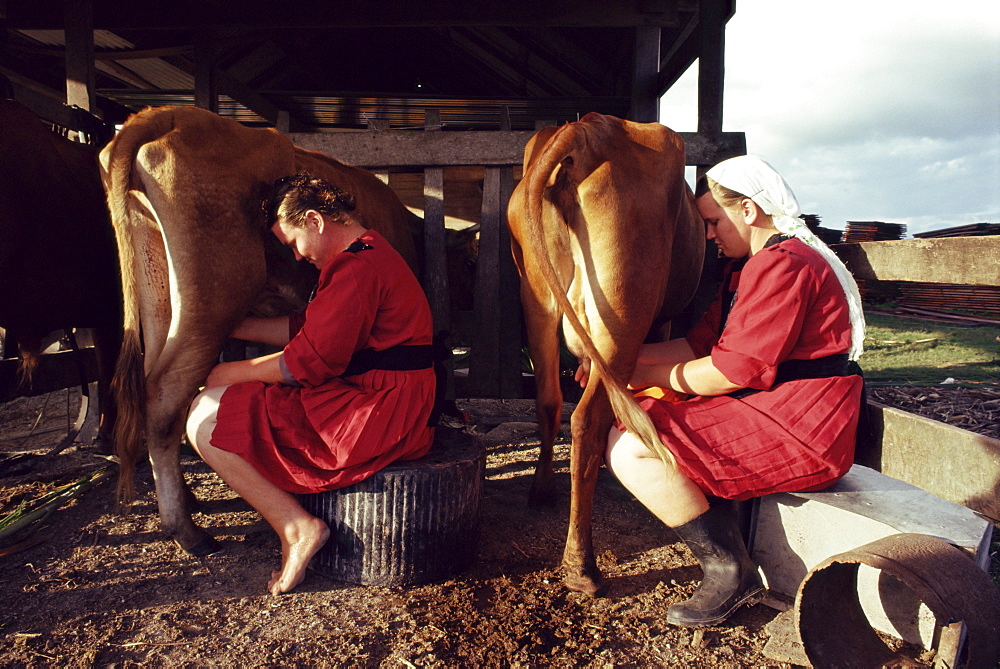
(413, 522)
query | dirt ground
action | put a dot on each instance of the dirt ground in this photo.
(104, 589)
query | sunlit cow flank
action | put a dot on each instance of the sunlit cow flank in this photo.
(58, 266)
(606, 238)
(184, 188)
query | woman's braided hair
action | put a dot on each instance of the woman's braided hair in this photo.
(292, 196)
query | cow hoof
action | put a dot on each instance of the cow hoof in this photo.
(204, 546)
(585, 584)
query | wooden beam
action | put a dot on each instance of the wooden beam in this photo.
(255, 102)
(645, 69)
(47, 103)
(206, 93)
(403, 147)
(703, 150)
(529, 61)
(569, 56)
(711, 66)
(80, 80)
(513, 75)
(957, 465)
(148, 15)
(682, 52)
(473, 147)
(966, 260)
(261, 59)
(123, 74)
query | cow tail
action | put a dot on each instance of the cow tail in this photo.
(30, 359)
(129, 384)
(623, 403)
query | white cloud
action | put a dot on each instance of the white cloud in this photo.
(873, 110)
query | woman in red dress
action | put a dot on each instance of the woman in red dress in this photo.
(351, 391)
(775, 396)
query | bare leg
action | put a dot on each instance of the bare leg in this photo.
(673, 498)
(301, 533)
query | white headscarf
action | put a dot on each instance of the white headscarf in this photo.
(754, 178)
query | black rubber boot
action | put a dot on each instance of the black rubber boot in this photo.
(731, 579)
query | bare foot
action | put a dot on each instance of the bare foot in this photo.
(296, 551)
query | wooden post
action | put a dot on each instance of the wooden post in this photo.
(79, 18)
(284, 122)
(376, 125)
(435, 277)
(495, 367)
(645, 74)
(711, 67)
(206, 93)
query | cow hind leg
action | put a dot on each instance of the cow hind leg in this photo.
(175, 501)
(543, 342)
(590, 424)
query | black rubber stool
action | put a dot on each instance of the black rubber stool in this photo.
(413, 522)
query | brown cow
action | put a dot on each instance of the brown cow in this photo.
(183, 187)
(604, 234)
(58, 263)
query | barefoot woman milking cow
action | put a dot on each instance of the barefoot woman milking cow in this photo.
(351, 391)
(776, 395)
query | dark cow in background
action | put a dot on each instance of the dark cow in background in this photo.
(184, 190)
(58, 261)
(607, 239)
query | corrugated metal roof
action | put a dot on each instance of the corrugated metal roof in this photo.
(151, 72)
(103, 39)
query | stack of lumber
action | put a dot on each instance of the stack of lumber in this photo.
(972, 230)
(873, 231)
(827, 235)
(878, 292)
(974, 302)
(950, 297)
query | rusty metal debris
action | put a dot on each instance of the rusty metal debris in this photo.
(835, 632)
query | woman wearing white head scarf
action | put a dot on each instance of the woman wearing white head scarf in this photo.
(775, 393)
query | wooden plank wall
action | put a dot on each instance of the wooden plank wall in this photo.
(409, 160)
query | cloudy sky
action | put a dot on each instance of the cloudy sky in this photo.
(873, 110)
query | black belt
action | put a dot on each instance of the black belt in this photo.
(397, 358)
(820, 368)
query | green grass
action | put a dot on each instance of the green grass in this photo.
(900, 350)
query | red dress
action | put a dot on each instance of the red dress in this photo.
(798, 436)
(335, 430)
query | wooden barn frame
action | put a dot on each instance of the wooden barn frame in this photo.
(658, 39)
